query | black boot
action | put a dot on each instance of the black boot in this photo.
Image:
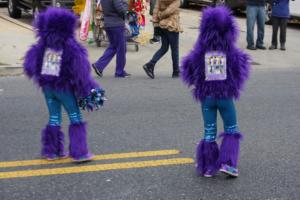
(272, 47)
(155, 39)
(175, 73)
(282, 47)
(149, 69)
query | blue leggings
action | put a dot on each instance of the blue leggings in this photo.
(210, 106)
(55, 99)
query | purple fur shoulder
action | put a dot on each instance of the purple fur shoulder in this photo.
(218, 32)
(55, 29)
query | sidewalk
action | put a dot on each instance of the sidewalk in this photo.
(15, 39)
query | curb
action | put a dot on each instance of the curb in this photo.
(7, 70)
(14, 21)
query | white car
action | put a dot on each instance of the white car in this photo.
(295, 9)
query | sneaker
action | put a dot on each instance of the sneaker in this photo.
(251, 47)
(231, 171)
(149, 69)
(272, 47)
(208, 174)
(124, 75)
(51, 157)
(97, 71)
(85, 158)
(261, 47)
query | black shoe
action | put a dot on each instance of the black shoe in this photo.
(98, 72)
(154, 40)
(149, 69)
(175, 74)
(261, 47)
(282, 47)
(251, 47)
(272, 47)
(124, 75)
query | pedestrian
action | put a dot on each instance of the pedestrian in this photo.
(280, 16)
(156, 37)
(114, 23)
(166, 17)
(217, 70)
(256, 13)
(59, 65)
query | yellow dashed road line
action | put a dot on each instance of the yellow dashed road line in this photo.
(94, 168)
(23, 163)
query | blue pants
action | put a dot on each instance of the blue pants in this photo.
(210, 106)
(168, 39)
(55, 99)
(117, 45)
(255, 13)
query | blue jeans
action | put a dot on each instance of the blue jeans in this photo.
(55, 99)
(168, 39)
(117, 45)
(210, 106)
(255, 13)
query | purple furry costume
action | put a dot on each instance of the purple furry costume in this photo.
(218, 33)
(55, 30)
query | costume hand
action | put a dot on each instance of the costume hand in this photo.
(93, 101)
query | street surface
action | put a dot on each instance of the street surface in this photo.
(145, 135)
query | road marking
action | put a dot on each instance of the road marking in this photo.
(23, 163)
(94, 168)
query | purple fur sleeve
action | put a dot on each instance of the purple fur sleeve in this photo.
(31, 61)
(82, 80)
(240, 65)
(187, 70)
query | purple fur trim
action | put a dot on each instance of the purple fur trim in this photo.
(61, 144)
(207, 154)
(52, 141)
(218, 32)
(55, 29)
(78, 140)
(230, 149)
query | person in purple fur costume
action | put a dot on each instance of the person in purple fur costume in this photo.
(217, 70)
(59, 65)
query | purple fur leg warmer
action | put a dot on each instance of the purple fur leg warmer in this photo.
(52, 141)
(230, 149)
(61, 144)
(78, 142)
(207, 154)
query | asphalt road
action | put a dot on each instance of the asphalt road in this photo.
(146, 115)
(156, 115)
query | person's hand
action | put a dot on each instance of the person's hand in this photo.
(159, 15)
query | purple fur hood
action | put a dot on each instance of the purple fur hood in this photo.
(218, 32)
(55, 30)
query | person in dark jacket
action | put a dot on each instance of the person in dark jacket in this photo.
(114, 22)
(156, 37)
(255, 12)
(280, 15)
